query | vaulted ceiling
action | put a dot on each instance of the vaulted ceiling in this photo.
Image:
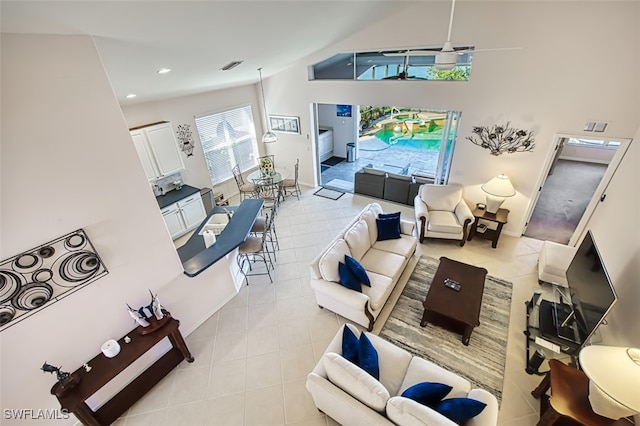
(195, 38)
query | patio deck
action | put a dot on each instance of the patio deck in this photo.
(377, 152)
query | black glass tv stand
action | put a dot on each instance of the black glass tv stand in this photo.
(551, 330)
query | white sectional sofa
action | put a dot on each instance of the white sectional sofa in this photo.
(384, 262)
(351, 396)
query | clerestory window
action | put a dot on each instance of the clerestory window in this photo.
(414, 65)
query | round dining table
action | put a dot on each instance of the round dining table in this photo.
(278, 175)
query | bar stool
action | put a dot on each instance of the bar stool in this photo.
(254, 247)
(268, 227)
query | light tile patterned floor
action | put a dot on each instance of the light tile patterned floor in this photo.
(252, 356)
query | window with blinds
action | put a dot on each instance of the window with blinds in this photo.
(228, 138)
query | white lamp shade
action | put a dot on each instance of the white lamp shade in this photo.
(269, 137)
(613, 380)
(497, 189)
(499, 186)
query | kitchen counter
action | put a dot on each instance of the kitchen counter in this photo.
(195, 257)
(176, 195)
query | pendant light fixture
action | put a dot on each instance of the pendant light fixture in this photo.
(269, 136)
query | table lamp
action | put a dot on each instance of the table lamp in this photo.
(497, 190)
(614, 374)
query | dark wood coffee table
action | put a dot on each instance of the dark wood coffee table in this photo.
(456, 309)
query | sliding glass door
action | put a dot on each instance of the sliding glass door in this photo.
(400, 140)
(447, 146)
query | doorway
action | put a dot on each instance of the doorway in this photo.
(577, 174)
(400, 140)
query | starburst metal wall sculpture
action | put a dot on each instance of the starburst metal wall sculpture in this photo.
(501, 138)
(185, 138)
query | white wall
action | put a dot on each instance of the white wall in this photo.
(68, 162)
(616, 231)
(344, 128)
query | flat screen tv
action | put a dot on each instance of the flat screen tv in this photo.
(591, 294)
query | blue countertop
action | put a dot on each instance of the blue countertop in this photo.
(195, 257)
(176, 195)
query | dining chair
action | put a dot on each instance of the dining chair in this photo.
(252, 250)
(246, 189)
(269, 191)
(291, 186)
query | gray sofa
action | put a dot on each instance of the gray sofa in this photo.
(378, 183)
(370, 181)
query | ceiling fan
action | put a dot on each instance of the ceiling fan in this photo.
(447, 57)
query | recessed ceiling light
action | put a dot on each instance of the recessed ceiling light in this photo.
(231, 65)
(164, 70)
(131, 95)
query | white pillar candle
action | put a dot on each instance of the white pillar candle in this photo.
(110, 348)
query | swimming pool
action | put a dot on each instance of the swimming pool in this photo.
(411, 135)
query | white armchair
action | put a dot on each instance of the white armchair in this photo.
(441, 212)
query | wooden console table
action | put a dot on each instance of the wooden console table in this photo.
(104, 369)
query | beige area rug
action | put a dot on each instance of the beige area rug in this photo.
(483, 361)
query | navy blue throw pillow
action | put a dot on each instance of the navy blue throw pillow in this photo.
(368, 357)
(347, 278)
(460, 410)
(388, 229)
(389, 215)
(350, 346)
(427, 393)
(357, 270)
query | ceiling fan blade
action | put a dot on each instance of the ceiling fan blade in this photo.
(491, 49)
(413, 53)
(458, 51)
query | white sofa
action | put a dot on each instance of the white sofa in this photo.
(384, 262)
(353, 397)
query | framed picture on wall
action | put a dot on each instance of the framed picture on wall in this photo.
(343, 110)
(284, 124)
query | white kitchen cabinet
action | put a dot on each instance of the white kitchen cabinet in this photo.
(192, 210)
(157, 149)
(183, 216)
(173, 220)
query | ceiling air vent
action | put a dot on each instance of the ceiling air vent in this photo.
(231, 65)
